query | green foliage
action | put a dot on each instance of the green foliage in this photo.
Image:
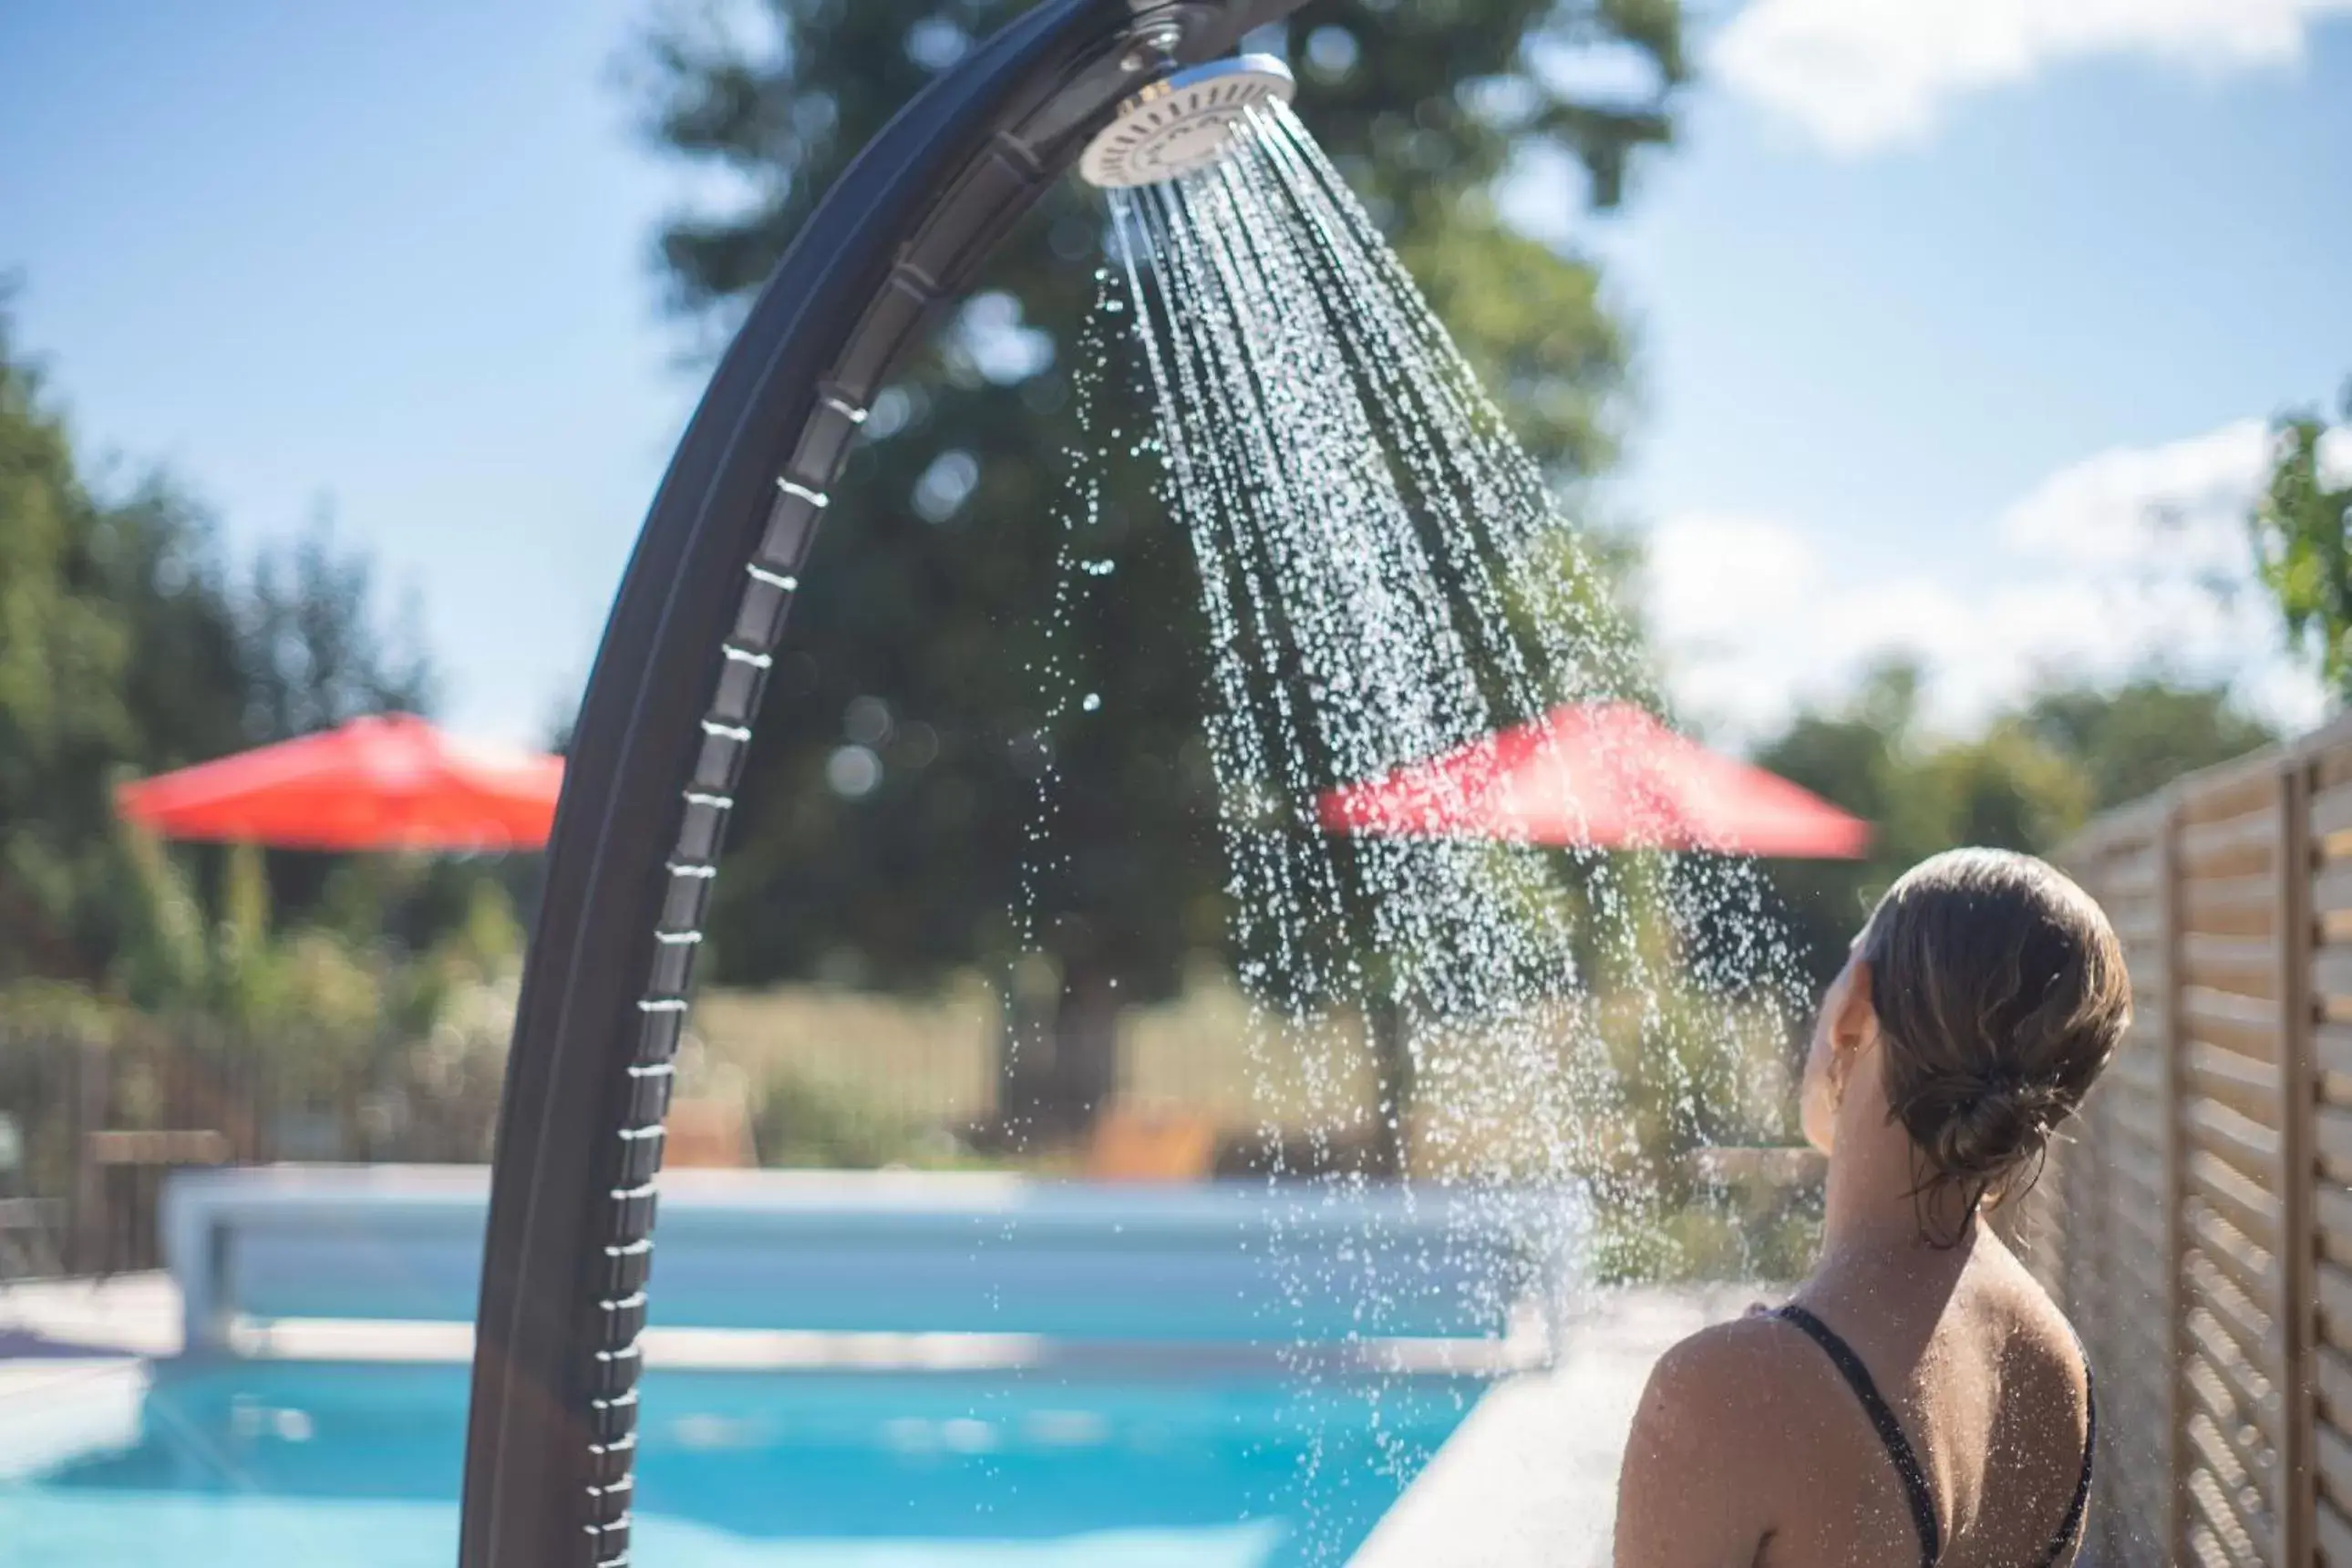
(2007, 788)
(1686, 1072)
(2134, 741)
(1710, 1237)
(315, 1007)
(127, 647)
(2302, 526)
(802, 1123)
(1664, 1077)
(63, 654)
(184, 674)
(373, 989)
(314, 650)
(2026, 782)
(320, 1000)
(888, 805)
(1531, 325)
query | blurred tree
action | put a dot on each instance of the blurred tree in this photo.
(2301, 524)
(326, 1017)
(887, 808)
(2006, 787)
(2135, 739)
(316, 650)
(63, 652)
(2026, 782)
(184, 680)
(1861, 758)
(118, 654)
(126, 647)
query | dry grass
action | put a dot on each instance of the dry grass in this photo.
(927, 1062)
(931, 1061)
(1210, 1054)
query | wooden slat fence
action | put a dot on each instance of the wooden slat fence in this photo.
(2197, 1226)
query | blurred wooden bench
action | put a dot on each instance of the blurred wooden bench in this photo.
(1146, 1144)
(194, 1147)
(709, 1134)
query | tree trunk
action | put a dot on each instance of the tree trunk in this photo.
(1086, 1047)
(1060, 1064)
(1392, 1065)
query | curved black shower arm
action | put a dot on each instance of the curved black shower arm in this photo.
(665, 722)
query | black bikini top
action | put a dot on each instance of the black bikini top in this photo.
(1908, 1468)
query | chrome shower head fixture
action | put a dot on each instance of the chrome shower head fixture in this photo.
(1182, 123)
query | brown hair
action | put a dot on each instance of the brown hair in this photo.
(2000, 996)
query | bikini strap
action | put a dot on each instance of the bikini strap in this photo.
(1890, 1431)
(2075, 1509)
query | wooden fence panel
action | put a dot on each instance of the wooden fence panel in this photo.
(2231, 1224)
(2199, 1227)
(2103, 1211)
(2324, 1390)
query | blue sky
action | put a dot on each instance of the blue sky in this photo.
(395, 258)
(1923, 347)
(1937, 301)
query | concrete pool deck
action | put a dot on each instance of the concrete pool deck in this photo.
(127, 1315)
(73, 1363)
(1529, 1479)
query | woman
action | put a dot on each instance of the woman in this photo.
(1921, 1400)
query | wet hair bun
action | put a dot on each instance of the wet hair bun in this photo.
(2000, 994)
(1977, 1130)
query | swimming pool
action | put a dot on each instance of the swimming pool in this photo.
(245, 1463)
(843, 1372)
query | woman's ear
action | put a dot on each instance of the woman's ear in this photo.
(1854, 1026)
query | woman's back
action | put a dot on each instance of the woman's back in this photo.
(1756, 1451)
(1991, 1397)
(1922, 1401)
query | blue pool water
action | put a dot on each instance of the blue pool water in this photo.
(238, 1465)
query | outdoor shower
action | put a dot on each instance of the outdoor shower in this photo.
(1182, 123)
(666, 722)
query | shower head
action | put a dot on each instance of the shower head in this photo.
(1182, 123)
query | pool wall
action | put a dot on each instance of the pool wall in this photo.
(846, 1253)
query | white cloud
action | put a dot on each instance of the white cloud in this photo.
(2131, 558)
(2188, 498)
(1703, 566)
(1861, 74)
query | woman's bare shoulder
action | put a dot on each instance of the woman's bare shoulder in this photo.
(1714, 1443)
(1736, 1368)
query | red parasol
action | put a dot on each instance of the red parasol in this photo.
(391, 782)
(1605, 775)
